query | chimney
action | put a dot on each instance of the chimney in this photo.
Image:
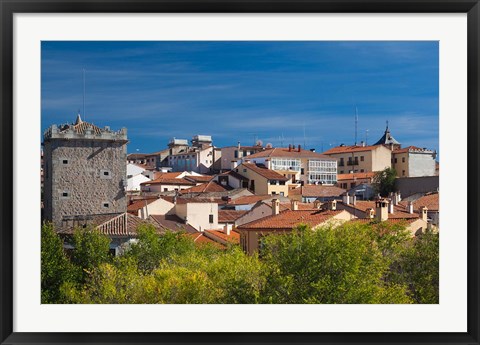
(423, 213)
(390, 207)
(299, 148)
(289, 147)
(316, 204)
(226, 229)
(370, 213)
(275, 207)
(332, 205)
(294, 205)
(354, 199)
(293, 147)
(346, 199)
(381, 209)
(410, 207)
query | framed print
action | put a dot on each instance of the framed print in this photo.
(239, 171)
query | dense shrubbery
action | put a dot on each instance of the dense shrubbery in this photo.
(353, 263)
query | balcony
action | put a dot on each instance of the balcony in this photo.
(355, 162)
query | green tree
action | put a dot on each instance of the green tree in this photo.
(384, 181)
(91, 248)
(329, 265)
(418, 267)
(152, 248)
(56, 268)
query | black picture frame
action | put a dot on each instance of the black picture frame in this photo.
(10, 7)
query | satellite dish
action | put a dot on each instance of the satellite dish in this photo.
(269, 146)
(259, 143)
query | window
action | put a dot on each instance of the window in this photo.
(106, 204)
(129, 176)
(302, 172)
(352, 184)
(210, 218)
(403, 172)
(66, 193)
(403, 159)
(165, 189)
(65, 161)
(105, 174)
(341, 163)
(274, 193)
(244, 170)
(341, 171)
(236, 154)
(395, 160)
(282, 193)
(362, 170)
(362, 158)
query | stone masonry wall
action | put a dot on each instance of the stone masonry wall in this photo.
(87, 178)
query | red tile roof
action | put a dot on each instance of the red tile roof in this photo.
(263, 171)
(138, 204)
(115, 225)
(199, 179)
(431, 201)
(352, 148)
(211, 186)
(408, 149)
(173, 223)
(285, 152)
(249, 199)
(321, 191)
(235, 175)
(399, 211)
(301, 206)
(366, 175)
(229, 216)
(234, 236)
(169, 181)
(287, 220)
(200, 240)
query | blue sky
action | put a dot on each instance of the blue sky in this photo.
(305, 92)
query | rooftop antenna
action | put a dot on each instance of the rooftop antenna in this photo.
(282, 140)
(84, 116)
(366, 137)
(356, 124)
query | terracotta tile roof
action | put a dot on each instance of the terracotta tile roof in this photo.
(173, 223)
(284, 152)
(138, 204)
(301, 206)
(321, 191)
(199, 179)
(235, 175)
(287, 220)
(399, 211)
(81, 126)
(169, 181)
(407, 149)
(263, 171)
(249, 199)
(200, 240)
(351, 148)
(185, 200)
(135, 156)
(229, 216)
(366, 175)
(431, 201)
(208, 187)
(234, 236)
(116, 225)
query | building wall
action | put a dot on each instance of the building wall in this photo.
(262, 185)
(411, 185)
(421, 164)
(373, 160)
(401, 164)
(158, 187)
(133, 183)
(263, 210)
(197, 215)
(77, 167)
(158, 207)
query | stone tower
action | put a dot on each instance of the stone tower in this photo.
(84, 172)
